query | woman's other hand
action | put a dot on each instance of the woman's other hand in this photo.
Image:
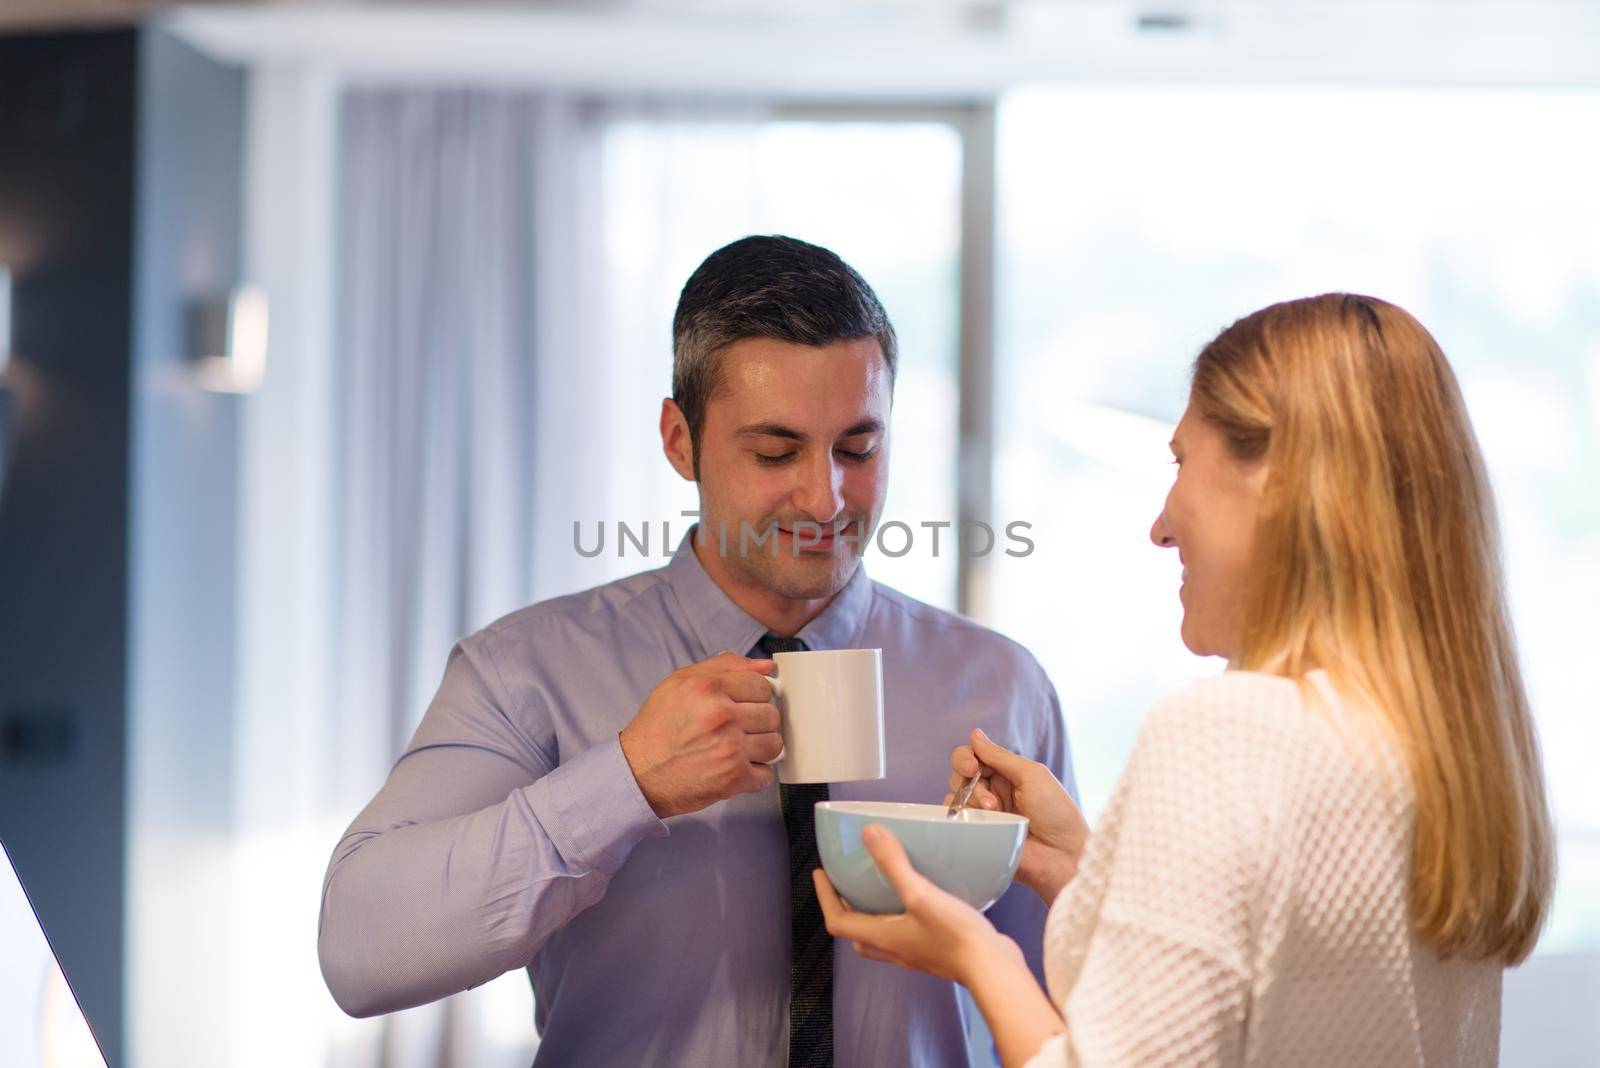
(1057, 831)
(938, 933)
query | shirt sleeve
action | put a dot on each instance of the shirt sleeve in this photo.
(1054, 751)
(478, 847)
(1164, 973)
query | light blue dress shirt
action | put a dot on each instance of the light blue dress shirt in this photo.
(511, 834)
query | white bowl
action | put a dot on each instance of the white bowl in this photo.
(973, 856)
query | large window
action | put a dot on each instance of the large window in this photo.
(1136, 223)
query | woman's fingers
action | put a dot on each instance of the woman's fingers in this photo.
(959, 781)
(1004, 793)
(982, 796)
(963, 762)
(1001, 771)
(827, 896)
(890, 857)
(833, 906)
(841, 920)
(932, 935)
(873, 953)
(1000, 758)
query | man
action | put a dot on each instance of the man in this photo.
(589, 794)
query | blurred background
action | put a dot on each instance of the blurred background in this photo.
(324, 327)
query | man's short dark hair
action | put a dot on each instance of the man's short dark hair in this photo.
(772, 287)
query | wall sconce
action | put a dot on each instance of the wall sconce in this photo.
(5, 317)
(228, 340)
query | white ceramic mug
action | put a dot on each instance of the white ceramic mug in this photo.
(831, 701)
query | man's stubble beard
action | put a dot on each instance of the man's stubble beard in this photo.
(796, 578)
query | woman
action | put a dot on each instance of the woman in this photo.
(1328, 854)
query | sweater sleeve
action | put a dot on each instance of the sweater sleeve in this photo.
(1163, 975)
(1053, 1054)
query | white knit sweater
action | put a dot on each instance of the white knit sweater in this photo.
(1243, 901)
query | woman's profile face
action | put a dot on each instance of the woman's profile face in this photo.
(1210, 518)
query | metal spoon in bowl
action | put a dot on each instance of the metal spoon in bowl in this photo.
(960, 800)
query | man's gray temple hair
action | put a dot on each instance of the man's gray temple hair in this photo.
(767, 287)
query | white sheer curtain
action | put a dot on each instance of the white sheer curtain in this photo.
(435, 384)
(424, 249)
(434, 441)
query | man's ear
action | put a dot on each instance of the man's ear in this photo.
(675, 439)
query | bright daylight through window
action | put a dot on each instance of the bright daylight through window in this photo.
(1120, 256)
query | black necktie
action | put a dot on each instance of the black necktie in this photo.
(810, 946)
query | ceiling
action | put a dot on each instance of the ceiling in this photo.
(46, 14)
(1151, 14)
(881, 49)
(50, 14)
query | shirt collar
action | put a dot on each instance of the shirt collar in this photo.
(720, 624)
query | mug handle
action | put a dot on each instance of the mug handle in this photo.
(777, 695)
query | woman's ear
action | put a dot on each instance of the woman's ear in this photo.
(676, 442)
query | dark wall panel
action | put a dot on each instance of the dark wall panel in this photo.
(67, 167)
(120, 186)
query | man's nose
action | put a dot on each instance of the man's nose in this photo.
(820, 494)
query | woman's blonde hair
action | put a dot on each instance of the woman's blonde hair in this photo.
(1380, 563)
